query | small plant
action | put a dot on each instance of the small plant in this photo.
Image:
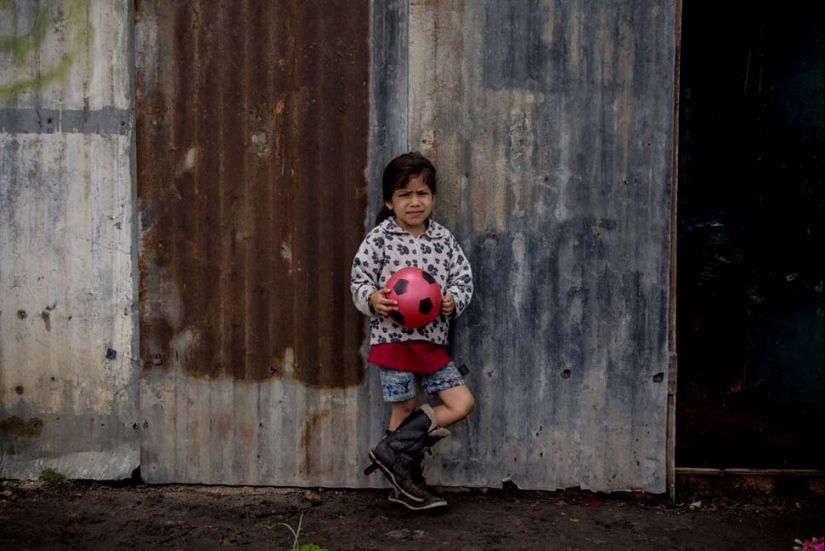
(813, 544)
(296, 546)
(55, 480)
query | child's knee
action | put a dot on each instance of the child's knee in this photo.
(463, 407)
(469, 405)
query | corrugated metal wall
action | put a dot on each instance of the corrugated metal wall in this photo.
(263, 128)
(551, 123)
(68, 377)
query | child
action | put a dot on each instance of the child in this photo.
(405, 235)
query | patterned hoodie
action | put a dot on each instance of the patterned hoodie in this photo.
(388, 248)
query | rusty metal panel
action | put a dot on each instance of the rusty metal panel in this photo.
(68, 384)
(551, 125)
(253, 126)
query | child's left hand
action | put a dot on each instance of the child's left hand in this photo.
(447, 305)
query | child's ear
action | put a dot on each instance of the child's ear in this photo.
(388, 204)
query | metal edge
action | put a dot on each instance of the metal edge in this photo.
(670, 431)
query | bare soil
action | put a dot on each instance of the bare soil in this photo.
(95, 516)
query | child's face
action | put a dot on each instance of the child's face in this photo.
(412, 205)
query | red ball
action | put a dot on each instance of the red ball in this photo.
(418, 295)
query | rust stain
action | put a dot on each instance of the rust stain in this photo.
(251, 153)
(44, 315)
(306, 439)
(223, 428)
(33, 428)
(247, 434)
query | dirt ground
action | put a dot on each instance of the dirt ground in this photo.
(95, 516)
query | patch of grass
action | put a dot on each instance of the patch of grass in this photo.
(55, 480)
(296, 532)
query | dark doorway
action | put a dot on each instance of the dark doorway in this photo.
(750, 241)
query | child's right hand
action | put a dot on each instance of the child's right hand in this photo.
(381, 304)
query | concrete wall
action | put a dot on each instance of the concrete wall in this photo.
(68, 347)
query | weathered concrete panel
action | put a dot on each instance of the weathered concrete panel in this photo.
(551, 125)
(68, 376)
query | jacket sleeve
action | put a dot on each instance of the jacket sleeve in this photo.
(366, 271)
(460, 283)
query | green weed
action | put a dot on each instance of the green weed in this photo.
(296, 546)
(55, 480)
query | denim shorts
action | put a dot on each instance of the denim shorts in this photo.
(399, 386)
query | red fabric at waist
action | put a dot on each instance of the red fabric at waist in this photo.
(421, 357)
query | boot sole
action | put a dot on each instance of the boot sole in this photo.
(438, 504)
(388, 473)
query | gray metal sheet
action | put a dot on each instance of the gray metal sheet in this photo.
(551, 125)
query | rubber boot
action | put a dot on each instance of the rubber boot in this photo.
(432, 501)
(427, 504)
(417, 469)
(398, 452)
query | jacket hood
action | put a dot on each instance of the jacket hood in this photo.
(434, 229)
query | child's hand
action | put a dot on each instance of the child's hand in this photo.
(447, 305)
(381, 304)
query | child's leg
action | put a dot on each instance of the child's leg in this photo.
(398, 388)
(457, 403)
(457, 400)
(400, 411)
(401, 449)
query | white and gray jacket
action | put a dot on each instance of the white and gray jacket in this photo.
(388, 248)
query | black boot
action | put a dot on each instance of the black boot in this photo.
(417, 469)
(416, 473)
(398, 452)
(427, 504)
(432, 501)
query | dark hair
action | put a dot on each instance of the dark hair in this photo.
(401, 170)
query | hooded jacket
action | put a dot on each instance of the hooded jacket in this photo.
(388, 248)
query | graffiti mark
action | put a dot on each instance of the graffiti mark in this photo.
(53, 27)
(21, 47)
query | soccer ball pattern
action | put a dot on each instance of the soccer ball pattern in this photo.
(418, 295)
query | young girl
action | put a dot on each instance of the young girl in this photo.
(405, 235)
